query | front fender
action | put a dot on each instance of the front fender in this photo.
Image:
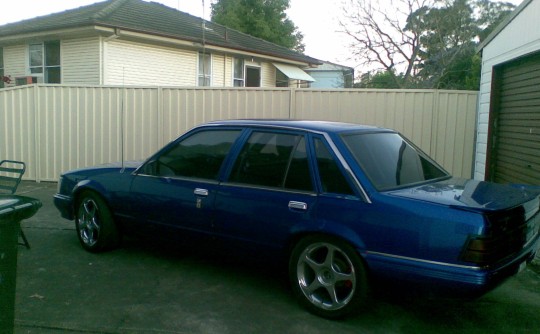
(85, 185)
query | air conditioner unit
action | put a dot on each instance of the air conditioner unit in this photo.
(27, 80)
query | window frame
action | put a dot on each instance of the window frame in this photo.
(253, 67)
(151, 166)
(237, 79)
(43, 69)
(299, 138)
(281, 79)
(203, 73)
(338, 162)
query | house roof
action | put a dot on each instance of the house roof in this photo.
(153, 19)
(503, 24)
(330, 67)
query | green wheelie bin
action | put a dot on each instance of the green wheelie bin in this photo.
(13, 209)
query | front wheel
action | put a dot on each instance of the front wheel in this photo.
(327, 276)
(94, 223)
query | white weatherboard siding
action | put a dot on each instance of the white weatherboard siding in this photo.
(81, 61)
(520, 37)
(228, 72)
(128, 63)
(268, 75)
(219, 68)
(15, 60)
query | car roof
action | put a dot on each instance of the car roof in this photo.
(309, 125)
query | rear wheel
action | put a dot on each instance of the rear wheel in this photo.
(95, 226)
(328, 276)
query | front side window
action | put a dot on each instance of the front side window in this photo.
(198, 156)
(275, 160)
(238, 72)
(205, 69)
(389, 161)
(44, 60)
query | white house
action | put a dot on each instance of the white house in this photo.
(330, 75)
(134, 42)
(508, 135)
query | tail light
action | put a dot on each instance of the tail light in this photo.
(507, 233)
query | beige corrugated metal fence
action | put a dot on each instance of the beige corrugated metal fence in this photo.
(57, 128)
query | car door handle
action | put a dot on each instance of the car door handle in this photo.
(201, 192)
(297, 205)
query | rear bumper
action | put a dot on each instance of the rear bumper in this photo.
(459, 280)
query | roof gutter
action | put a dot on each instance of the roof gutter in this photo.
(87, 30)
(197, 44)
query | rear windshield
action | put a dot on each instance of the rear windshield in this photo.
(390, 162)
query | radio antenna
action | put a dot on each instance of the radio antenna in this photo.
(203, 28)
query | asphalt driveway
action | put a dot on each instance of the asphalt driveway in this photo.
(163, 288)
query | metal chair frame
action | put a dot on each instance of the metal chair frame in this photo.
(11, 173)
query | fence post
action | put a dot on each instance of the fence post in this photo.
(37, 133)
(292, 103)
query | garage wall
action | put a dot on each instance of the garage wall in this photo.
(519, 37)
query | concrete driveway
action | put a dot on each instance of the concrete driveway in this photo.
(157, 288)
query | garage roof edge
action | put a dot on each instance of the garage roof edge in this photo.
(503, 25)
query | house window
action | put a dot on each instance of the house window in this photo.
(238, 72)
(1, 67)
(45, 61)
(281, 79)
(205, 69)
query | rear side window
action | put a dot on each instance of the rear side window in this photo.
(199, 156)
(273, 160)
(332, 179)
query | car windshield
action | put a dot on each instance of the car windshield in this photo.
(390, 162)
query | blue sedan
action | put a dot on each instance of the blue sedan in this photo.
(346, 204)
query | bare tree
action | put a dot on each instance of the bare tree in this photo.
(384, 37)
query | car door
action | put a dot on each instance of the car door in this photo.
(269, 190)
(177, 187)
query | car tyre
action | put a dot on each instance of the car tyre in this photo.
(95, 226)
(328, 277)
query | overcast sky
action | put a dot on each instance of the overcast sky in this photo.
(316, 19)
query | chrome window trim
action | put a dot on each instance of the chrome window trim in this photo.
(180, 178)
(248, 124)
(348, 168)
(275, 189)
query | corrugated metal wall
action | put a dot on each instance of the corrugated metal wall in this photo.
(57, 128)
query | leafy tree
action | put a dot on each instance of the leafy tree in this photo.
(447, 43)
(265, 19)
(491, 14)
(378, 79)
(423, 43)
